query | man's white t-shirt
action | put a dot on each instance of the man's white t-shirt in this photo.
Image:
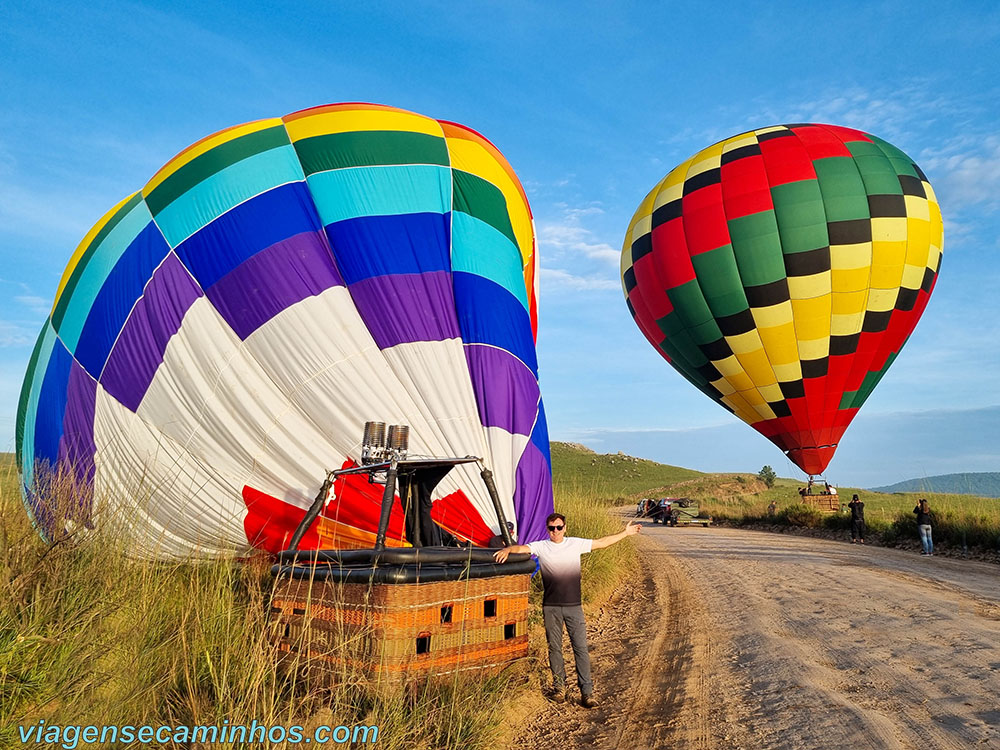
(560, 565)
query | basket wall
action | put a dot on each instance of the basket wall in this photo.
(402, 631)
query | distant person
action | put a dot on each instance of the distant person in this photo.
(772, 509)
(831, 490)
(802, 491)
(923, 514)
(809, 486)
(561, 601)
(857, 520)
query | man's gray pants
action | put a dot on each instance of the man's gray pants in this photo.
(572, 617)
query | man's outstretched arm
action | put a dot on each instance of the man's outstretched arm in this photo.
(501, 554)
(606, 541)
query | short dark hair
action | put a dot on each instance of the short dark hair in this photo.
(553, 516)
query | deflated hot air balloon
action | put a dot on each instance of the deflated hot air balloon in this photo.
(781, 271)
(220, 337)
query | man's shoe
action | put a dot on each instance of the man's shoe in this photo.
(558, 695)
(588, 701)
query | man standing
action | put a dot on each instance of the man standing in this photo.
(857, 520)
(559, 556)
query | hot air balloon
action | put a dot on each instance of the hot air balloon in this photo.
(781, 271)
(219, 338)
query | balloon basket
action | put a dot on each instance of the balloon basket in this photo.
(400, 632)
(400, 614)
(824, 503)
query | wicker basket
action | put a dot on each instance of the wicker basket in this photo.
(398, 632)
(824, 502)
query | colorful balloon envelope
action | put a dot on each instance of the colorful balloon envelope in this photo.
(781, 271)
(219, 339)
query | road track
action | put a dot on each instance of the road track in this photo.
(742, 639)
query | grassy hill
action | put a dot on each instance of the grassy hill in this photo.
(576, 468)
(87, 633)
(984, 484)
(960, 519)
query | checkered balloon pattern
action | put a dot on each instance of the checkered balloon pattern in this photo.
(781, 271)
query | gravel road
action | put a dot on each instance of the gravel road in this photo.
(743, 639)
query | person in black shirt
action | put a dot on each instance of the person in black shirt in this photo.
(923, 514)
(857, 520)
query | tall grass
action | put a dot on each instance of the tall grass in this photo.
(960, 521)
(89, 636)
(587, 515)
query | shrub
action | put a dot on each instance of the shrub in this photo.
(802, 515)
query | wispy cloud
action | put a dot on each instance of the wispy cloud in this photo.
(14, 335)
(37, 305)
(568, 237)
(41, 214)
(585, 433)
(559, 278)
(966, 171)
(23, 315)
(576, 239)
(964, 168)
(905, 110)
(576, 257)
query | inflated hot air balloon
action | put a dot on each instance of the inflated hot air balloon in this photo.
(220, 337)
(781, 271)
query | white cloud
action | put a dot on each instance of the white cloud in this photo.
(558, 278)
(40, 214)
(37, 305)
(14, 335)
(577, 240)
(965, 171)
(567, 237)
(888, 113)
(964, 168)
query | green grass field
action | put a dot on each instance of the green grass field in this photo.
(575, 469)
(963, 521)
(960, 521)
(87, 636)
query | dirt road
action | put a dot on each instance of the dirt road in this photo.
(744, 639)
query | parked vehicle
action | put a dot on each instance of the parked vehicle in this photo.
(675, 511)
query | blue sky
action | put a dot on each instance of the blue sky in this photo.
(592, 103)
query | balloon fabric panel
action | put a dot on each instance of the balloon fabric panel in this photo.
(781, 271)
(273, 286)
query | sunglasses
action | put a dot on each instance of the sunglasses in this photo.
(556, 528)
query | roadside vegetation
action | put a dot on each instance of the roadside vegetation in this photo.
(962, 523)
(88, 636)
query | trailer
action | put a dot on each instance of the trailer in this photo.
(675, 511)
(686, 513)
